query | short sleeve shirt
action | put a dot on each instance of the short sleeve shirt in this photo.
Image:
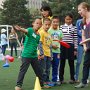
(56, 35)
(30, 44)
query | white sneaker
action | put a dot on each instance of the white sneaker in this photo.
(19, 57)
(81, 85)
(88, 81)
(18, 88)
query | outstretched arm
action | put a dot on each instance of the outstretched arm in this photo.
(18, 28)
(85, 41)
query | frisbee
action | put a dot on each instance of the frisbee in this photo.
(63, 43)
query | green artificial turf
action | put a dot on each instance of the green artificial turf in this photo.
(8, 77)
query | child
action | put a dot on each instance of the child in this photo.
(70, 36)
(46, 12)
(29, 53)
(4, 40)
(5, 58)
(3, 47)
(45, 51)
(56, 34)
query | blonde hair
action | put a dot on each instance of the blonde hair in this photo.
(85, 6)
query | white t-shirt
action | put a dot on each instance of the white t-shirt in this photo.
(3, 39)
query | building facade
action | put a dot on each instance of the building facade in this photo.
(1, 2)
(34, 4)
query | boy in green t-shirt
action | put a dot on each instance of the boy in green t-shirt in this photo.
(29, 53)
(56, 34)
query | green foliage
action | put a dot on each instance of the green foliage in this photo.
(61, 7)
(15, 12)
(0, 17)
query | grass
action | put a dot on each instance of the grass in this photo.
(8, 77)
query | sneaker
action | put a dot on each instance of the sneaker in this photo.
(63, 82)
(47, 82)
(46, 86)
(77, 81)
(88, 81)
(6, 65)
(51, 84)
(58, 83)
(18, 88)
(71, 81)
(19, 57)
(81, 85)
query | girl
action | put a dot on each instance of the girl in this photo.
(70, 36)
(3, 40)
(13, 41)
(46, 12)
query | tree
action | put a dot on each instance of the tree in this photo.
(61, 7)
(64, 6)
(0, 17)
(15, 12)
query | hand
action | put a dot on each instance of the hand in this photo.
(58, 56)
(54, 46)
(81, 43)
(75, 53)
(85, 48)
(40, 57)
(17, 27)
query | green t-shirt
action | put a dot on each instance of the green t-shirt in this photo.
(30, 44)
(56, 35)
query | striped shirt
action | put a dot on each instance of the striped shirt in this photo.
(70, 34)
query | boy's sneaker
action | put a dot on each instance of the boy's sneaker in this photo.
(51, 84)
(58, 83)
(6, 65)
(18, 88)
(46, 86)
(63, 82)
(81, 85)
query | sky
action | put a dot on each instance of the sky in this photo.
(1, 2)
